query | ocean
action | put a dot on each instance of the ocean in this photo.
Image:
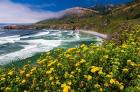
(16, 45)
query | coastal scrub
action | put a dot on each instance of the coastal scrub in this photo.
(105, 68)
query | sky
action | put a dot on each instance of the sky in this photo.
(31, 11)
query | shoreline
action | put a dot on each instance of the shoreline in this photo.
(104, 36)
(101, 35)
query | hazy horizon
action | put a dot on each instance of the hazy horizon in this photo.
(31, 11)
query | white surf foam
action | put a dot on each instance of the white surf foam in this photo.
(35, 35)
(9, 39)
(35, 46)
(77, 35)
(41, 34)
(50, 30)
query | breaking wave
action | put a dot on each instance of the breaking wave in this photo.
(31, 44)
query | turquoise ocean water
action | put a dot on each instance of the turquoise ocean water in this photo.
(17, 45)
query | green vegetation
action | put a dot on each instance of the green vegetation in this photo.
(104, 23)
(104, 68)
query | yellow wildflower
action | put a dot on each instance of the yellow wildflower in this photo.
(2, 79)
(67, 55)
(56, 77)
(51, 69)
(78, 51)
(112, 81)
(71, 76)
(22, 72)
(100, 72)
(71, 49)
(59, 64)
(31, 73)
(77, 64)
(17, 79)
(101, 90)
(66, 74)
(79, 70)
(25, 91)
(95, 69)
(66, 89)
(23, 81)
(58, 82)
(121, 87)
(125, 70)
(83, 45)
(110, 73)
(69, 82)
(85, 49)
(124, 46)
(88, 77)
(25, 66)
(106, 56)
(97, 85)
(109, 76)
(122, 51)
(40, 62)
(72, 72)
(138, 65)
(138, 76)
(51, 63)
(28, 75)
(82, 61)
(51, 78)
(129, 62)
(106, 84)
(11, 73)
(33, 69)
(62, 85)
(3, 75)
(53, 83)
(7, 89)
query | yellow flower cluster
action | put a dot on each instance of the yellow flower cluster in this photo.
(65, 87)
(125, 70)
(129, 62)
(79, 63)
(95, 69)
(88, 77)
(71, 49)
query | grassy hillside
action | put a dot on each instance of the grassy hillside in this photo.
(105, 23)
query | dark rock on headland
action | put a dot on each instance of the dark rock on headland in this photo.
(19, 27)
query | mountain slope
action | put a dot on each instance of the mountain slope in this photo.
(83, 18)
(70, 19)
(76, 12)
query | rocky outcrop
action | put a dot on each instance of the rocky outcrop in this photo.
(19, 27)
